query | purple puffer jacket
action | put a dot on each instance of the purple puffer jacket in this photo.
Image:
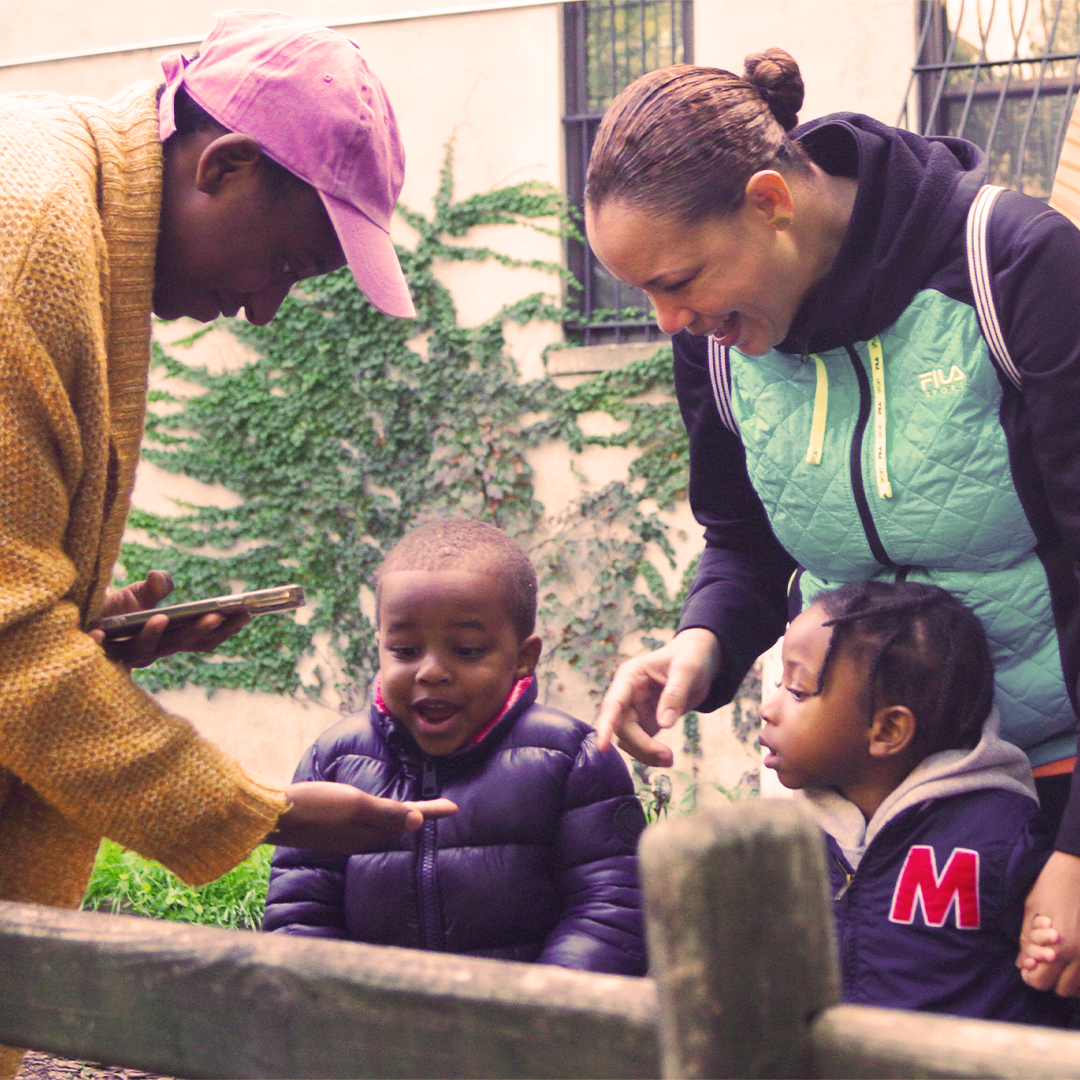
(538, 864)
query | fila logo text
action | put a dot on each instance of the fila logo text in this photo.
(936, 381)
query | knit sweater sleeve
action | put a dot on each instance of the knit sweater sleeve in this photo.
(73, 726)
(600, 926)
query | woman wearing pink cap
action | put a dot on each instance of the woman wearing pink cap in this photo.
(271, 157)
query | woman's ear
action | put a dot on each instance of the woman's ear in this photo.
(227, 158)
(528, 656)
(891, 730)
(768, 192)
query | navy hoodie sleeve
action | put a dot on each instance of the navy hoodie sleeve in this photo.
(1026, 858)
(740, 589)
(600, 925)
(1035, 260)
(306, 894)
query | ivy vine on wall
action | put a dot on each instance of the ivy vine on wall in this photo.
(346, 430)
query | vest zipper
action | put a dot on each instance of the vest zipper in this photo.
(861, 503)
(821, 410)
(877, 367)
(431, 934)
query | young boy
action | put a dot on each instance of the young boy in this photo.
(539, 863)
(884, 718)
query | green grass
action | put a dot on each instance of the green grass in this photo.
(124, 883)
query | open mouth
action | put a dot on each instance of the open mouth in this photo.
(436, 712)
(726, 331)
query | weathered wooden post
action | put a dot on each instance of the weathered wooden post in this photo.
(741, 939)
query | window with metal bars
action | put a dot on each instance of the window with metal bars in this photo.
(1002, 74)
(609, 43)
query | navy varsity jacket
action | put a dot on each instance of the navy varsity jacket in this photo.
(929, 895)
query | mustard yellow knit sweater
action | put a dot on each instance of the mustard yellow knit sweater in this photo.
(84, 753)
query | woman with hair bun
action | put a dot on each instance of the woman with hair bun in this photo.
(877, 359)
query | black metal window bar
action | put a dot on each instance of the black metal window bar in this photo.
(1002, 74)
(609, 43)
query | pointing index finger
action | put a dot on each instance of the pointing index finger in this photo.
(611, 709)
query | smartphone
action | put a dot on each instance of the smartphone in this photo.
(280, 598)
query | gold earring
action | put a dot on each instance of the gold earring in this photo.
(782, 222)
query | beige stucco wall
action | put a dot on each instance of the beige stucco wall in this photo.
(91, 46)
(855, 55)
(487, 79)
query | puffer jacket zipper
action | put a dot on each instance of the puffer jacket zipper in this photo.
(858, 490)
(426, 869)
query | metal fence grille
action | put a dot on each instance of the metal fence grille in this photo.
(1002, 74)
(609, 43)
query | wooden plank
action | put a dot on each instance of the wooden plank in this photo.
(741, 939)
(198, 1002)
(857, 1041)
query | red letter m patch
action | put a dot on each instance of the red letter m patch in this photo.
(919, 884)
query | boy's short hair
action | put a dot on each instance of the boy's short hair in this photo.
(463, 544)
(924, 649)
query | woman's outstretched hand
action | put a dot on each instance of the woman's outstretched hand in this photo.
(339, 817)
(651, 692)
(1049, 956)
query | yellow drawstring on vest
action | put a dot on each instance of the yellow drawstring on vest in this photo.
(821, 407)
(877, 369)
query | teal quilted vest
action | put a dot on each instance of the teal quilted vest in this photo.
(887, 458)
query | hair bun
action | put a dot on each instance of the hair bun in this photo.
(775, 75)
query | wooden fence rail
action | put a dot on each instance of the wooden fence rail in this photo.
(192, 1001)
(742, 952)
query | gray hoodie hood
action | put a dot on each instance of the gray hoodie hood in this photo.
(992, 763)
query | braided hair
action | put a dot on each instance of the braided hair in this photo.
(922, 648)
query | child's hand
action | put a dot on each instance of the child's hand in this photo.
(1055, 897)
(1036, 948)
(339, 817)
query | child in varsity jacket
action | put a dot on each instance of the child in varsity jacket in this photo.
(884, 718)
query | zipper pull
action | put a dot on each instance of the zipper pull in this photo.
(821, 409)
(429, 780)
(847, 879)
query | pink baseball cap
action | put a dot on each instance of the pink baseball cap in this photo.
(306, 94)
